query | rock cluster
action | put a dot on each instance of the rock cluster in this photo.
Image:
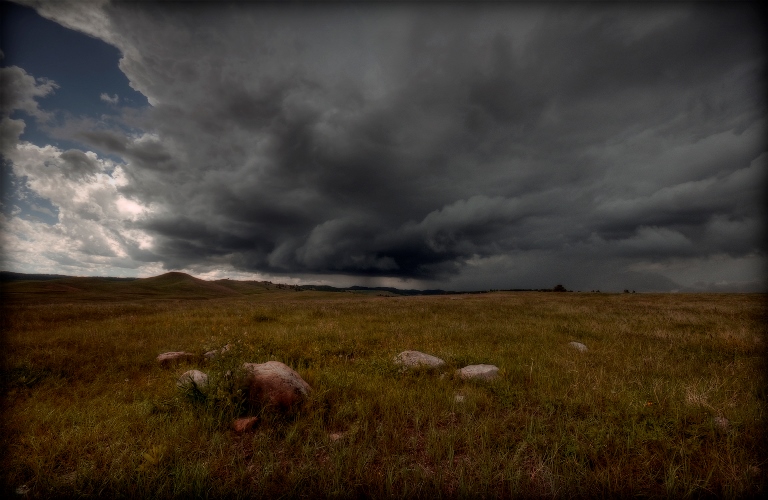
(276, 384)
(417, 359)
(271, 383)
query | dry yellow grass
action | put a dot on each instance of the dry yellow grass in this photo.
(89, 412)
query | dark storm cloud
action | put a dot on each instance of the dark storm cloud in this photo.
(107, 141)
(146, 154)
(691, 204)
(411, 141)
(77, 165)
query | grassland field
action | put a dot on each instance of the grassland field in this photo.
(669, 401)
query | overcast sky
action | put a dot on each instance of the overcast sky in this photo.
(413, 145)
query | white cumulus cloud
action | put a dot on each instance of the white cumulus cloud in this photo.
(114, 99)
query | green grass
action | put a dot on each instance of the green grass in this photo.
(88, 412)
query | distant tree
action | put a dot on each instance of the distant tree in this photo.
(559, 288)
(626, 291)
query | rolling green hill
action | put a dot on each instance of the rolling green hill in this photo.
(173, 285)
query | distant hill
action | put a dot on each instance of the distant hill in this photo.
(175, 285)
(6, 276)
(41, 287)
(172, 285)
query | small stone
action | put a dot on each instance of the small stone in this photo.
(169, 358)
(721, 423)
(482, 372)
(274, 383)
(193, 379)
(578, 346)
(215, 353)
(416, 359)
(23, 489)
(459, 398)
(335, 436)
(244, 424)
(69, 478)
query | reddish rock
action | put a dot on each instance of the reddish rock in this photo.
(274, 383)
(244, 424)
(170, 358)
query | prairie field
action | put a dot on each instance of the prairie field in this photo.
(669, 400)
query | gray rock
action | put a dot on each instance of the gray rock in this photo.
(170, 358)
(481, 372)
(415, 359)
(578, 346)
(192, 379)
(215, 353)
(274, 383)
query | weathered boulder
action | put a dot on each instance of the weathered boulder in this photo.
(274, 383)
(416, 359)
(578, 346)
(244, 424)
(482, 372)
(170, 358)
(192, 379)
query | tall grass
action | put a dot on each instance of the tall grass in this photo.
(90, 413)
